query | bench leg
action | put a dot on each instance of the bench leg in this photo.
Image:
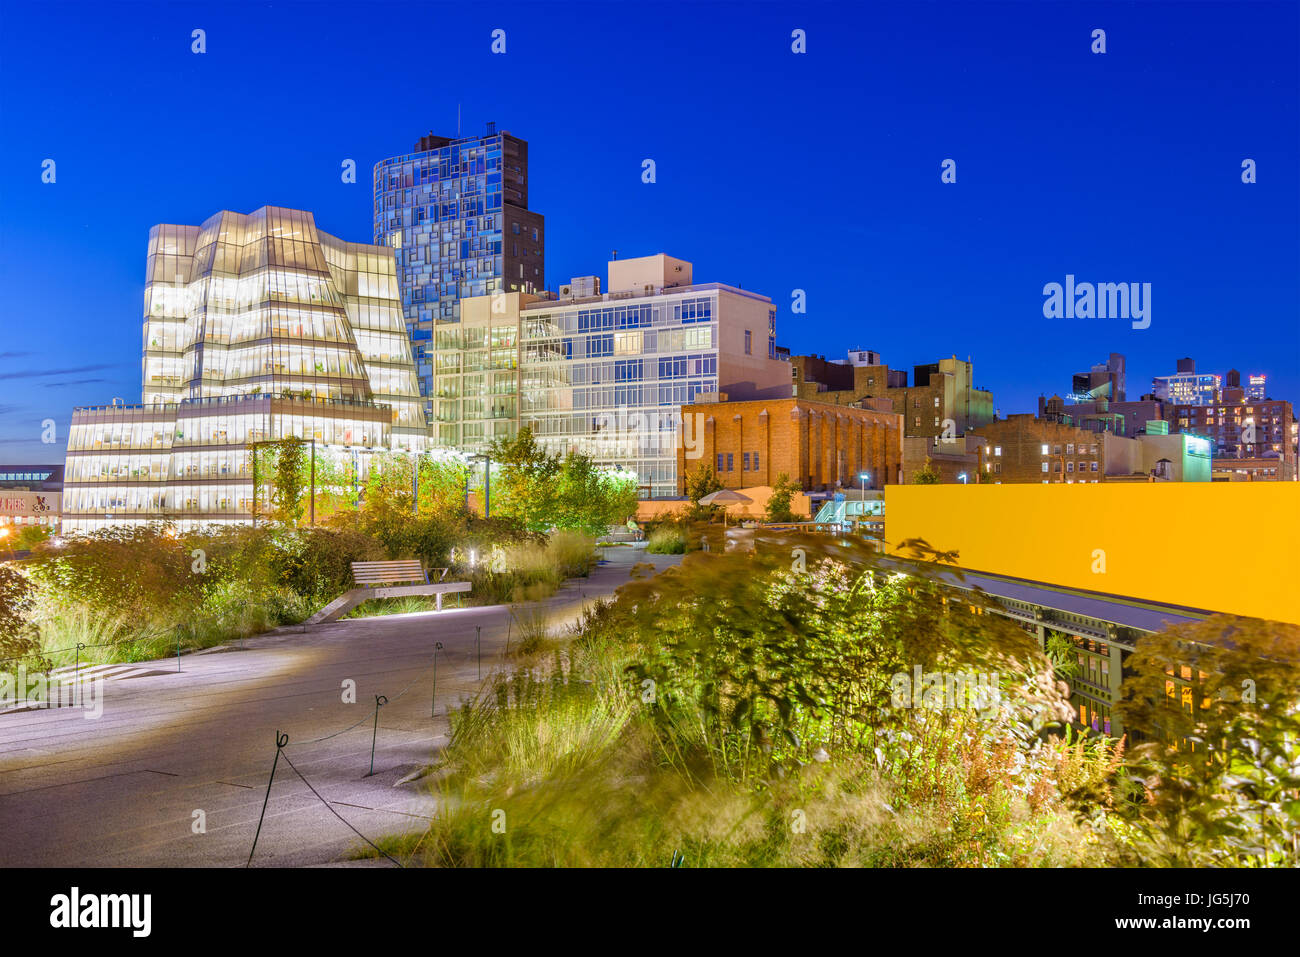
(438, 600)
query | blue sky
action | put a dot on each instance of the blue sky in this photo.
(775, 171)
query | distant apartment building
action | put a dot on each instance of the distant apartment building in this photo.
(31, 495)
(941, 401)
(1026, 449)
(607, 373)
(1186, 386)
(1257, 387)
(257, 327)
(1101, 415)
(1250, 438)
(1103, 381)
(455, 213)
(965, 459)
(820, 446)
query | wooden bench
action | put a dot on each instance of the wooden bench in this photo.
(370, 574)
(390, 579)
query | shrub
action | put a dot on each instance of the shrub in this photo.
(666, 539)
(633, 745)
(18, 636)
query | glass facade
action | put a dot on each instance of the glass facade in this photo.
(609, 378)
(256, 327)
(1187, 388)
(456, 214)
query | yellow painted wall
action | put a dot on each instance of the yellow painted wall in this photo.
(1224, 546)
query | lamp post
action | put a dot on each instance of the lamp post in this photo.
(962, 476)
(864, 478)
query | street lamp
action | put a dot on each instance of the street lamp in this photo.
(962, 476)
(864, 478)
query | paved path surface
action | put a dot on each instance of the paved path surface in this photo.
(122, 790)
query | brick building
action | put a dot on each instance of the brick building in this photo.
(1023, 448)
(1254, 438)
(819, 445)
(941, 392)
(951, 459)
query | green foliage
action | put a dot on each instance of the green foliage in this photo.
(927, 474)
(668, 538)
(542, 491)
(529, 568)
(1219, 704)
(589, 498)
(18, 636)
(284, 466)
(700, 482)
(30, 536)
(734, 723)
(778, 505)
(525, 480)
(1061, 651)
(441, 486)
(142, 568)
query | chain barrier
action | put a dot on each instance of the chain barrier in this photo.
(281, 742)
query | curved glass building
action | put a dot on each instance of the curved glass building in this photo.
(256, 327)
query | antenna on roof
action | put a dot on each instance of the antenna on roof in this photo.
(458, 119)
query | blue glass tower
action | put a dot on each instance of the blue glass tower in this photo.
(456, 213)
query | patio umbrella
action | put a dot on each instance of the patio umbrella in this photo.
(725, 496)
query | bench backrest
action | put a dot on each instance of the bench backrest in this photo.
(376, 573)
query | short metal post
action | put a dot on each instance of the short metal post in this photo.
(380, 701)
(433, 706)
(280, 741)
(478, 651)
(76, 677)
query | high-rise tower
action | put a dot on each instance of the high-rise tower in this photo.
(455, 211)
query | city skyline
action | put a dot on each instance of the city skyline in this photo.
(911, 267)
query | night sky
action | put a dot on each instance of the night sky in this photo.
(775, 171)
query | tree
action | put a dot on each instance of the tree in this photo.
(926, 474)
(699, 483)
(778, 505)
(591, 498)
(524, 486)
(543, 491)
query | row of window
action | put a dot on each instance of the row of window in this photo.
(749, 462)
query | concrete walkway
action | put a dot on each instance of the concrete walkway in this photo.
(123, 790)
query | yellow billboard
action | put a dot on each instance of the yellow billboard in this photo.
(1222, 546)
